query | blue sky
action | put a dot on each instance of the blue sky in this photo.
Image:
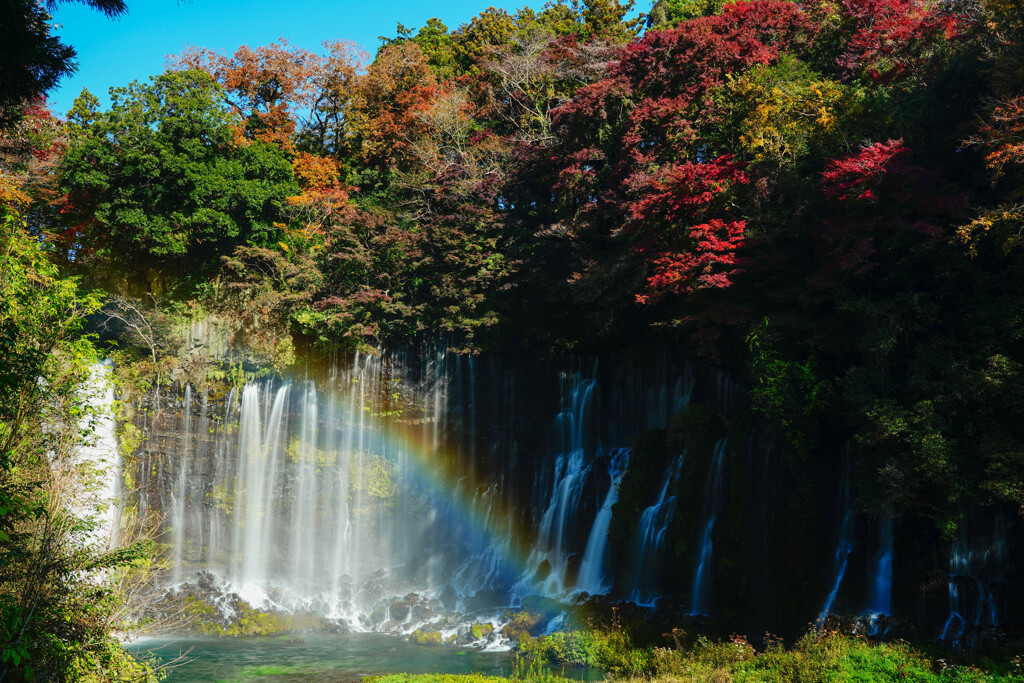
(116, 52)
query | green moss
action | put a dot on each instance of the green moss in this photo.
(378, 477)
(434, 637)
(481, 630)
(519, 624)
(204, 619)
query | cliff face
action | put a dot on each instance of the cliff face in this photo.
(392, 490)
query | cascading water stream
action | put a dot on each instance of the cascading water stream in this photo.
(975, 570)
(701, 599)
(548, 563)
(881, 588)
(100, 455)
(845, 544)
(180, 493)
(591, 578)
(649, 548)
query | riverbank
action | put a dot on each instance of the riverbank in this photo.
(814, 658)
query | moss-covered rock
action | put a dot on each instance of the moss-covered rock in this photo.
(481, 630)
(423, 636)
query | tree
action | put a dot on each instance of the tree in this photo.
(33, 60)
(264, 85)
(381, 111)
(60, 592)
(160, 177)
(636, 156)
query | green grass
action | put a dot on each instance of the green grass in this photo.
(825, 658)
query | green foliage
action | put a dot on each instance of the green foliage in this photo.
(161, 176)
(61, 590)
(668, 13)
(519, 624)
(787, 395)
(814, 658)
(609, 649)
(532, 677)
(284, 355)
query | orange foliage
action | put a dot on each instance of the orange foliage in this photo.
(385, 101)
(265, 85)
(28, 151)
(323, 201)
(1004, 135)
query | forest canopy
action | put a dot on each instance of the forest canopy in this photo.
(822, 196)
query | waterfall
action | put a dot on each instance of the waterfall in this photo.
(99, 453)
(701, 597)
(391, 491)
(975, 572)
(180, 493)
(649, 548)
(592, 573)
(548, 564)
(323, 497)
(844, 546)
(881, 588)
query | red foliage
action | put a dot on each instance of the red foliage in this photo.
(708, 263)
(629, 153)
(690, 251)
(891, 38)
(890, 209)
(859, 173)
(689, 60)
(681, 191)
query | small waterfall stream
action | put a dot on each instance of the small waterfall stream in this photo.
(548, 565)
(649, 548)
(976, 572)
(844, 546)
(701, 599)
(100, 455)
(880, 602)
(180, 493)
(592, 575)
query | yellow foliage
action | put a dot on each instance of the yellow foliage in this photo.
(1003, 225)
(782, 120)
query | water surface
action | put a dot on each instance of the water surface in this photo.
(314, 657)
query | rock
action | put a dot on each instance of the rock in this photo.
(485, 600)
